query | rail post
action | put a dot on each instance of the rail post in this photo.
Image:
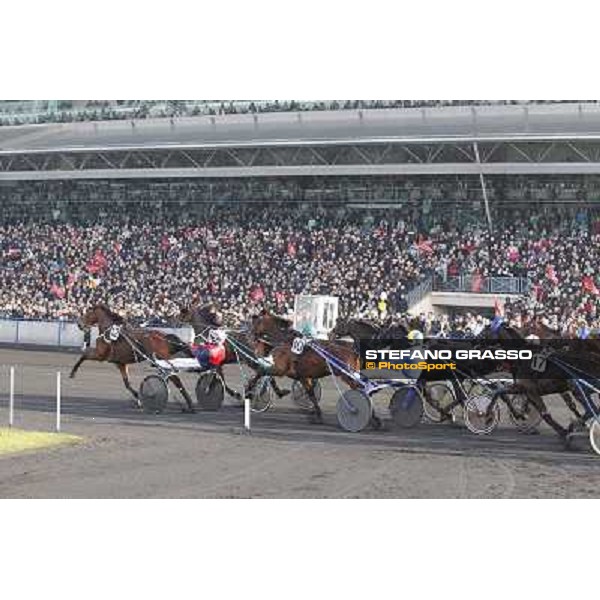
(11, 398)
(246, 412)
(58, 399)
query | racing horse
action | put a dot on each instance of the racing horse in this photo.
(275, 336)
(394, 335)
(391, 336)
(238, 345)
(123, 345)
(554, 379)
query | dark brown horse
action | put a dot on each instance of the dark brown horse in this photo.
(123, 345)
(555, 379)
(238, 346)
(274, 336)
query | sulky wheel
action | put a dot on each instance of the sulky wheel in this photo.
(262, 398)
(406, 407)
(439, 400)
(209, 392)
(354, 410)
(154, 394)
(526, 416)
(300, 395)
(595, 435)
(482, 414)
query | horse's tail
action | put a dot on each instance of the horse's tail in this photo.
(177, 345)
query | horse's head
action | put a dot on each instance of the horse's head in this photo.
(88, 319)
(201, 316)
(186, 313)
(265, 324)
(499, 329)
(98, 315)
(210, 314)
(340, 330)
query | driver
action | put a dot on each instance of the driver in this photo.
(213, 352)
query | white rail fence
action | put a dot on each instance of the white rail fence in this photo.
(61, 333)
(29, 394)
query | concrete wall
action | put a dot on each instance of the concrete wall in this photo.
(440, 302)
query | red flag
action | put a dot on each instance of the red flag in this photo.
(58, 291)
(425, 247)
(498, 308)
(97, 263)
(257, 294)
(589, 285)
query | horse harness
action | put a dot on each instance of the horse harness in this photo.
(112, 334)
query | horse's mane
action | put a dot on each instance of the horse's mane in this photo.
(283, 321)
(113, 315)
(366, 323)
(280, 321)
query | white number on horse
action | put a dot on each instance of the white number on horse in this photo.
(538, 363)
(298, 345)
(114, 332)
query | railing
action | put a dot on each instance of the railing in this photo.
(482, 285)
(62, 334)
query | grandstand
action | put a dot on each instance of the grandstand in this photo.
(252, 202)
(21, 112)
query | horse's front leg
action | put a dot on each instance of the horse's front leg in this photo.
(309, 386)
(89, 354)
(249, 388)
(280, 393)
(536, 399)
(125, 376)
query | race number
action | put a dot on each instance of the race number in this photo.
(114, 332)
(298, 345)
(538, 363)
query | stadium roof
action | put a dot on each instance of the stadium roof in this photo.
(546, 121)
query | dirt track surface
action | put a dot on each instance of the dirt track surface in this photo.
(132, 455)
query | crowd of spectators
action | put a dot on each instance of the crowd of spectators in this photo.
(64, 111)
(146, 258)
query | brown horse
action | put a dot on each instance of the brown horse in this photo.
(274, 335)
(554, 379)
(123, 345)
(238, 346)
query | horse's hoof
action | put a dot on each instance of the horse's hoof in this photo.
(568, 440)
(376, 423)
(315, 420)
(283, 393)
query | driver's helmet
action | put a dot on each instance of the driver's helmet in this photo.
(216, 336)
(415, 336)
(307, 329)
